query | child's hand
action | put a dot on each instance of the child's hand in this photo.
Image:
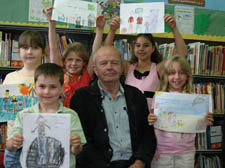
(115, 23)
(75, 141)
(209, 118)
(17, 141)
(170, 21)
(100, 21)
(48, 13)
(152, 118)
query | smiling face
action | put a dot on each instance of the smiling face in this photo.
(48, 89)
(74, 64)
(108, 66)
(143, 48)
(176, 78)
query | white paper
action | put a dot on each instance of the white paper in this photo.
(35, 10)
(184, 19)
(46, 140)
(142, 18)
(178, 112)
(75, 12)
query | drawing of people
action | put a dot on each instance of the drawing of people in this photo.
(91, 20)
(14, 102)
(6, 99)
(78, 20)
(41, 139)
(130, 21)
(147, 27)
(153, 20)
(139, 19)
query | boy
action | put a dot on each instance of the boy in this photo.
(48, 79)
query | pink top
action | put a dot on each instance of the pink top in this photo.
(147, 84)
(171, 142)
(76, 82)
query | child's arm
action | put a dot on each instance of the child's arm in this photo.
(114, 25)
(55, 56)
(100, 23)
(75, 143)
(179, 41)
(209, 118)
(14, 143)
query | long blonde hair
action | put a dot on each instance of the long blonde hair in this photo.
(185, 66)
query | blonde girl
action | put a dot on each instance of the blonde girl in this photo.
(175, 150)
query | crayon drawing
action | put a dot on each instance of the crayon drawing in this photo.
(81, 13)
(46, 140)
(14, 98)
(108, 8)
(35, 10)
(178, 112)
(142, 18)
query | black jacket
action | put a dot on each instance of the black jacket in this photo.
(97, 153)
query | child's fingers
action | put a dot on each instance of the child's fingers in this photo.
(17, 141)
(151, 119)
(75, 140)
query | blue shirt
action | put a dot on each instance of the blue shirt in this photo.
(118, 124)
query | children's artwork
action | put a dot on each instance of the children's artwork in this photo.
(35, 10)
(46, 140)
(184, 19)
(108, 8)
(178, 112)
(14, 98)
(142, 18)
(75, 12)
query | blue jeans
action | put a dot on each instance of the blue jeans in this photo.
(12, 159)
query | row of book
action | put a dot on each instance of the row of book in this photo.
(3, 135)
(204, 59)
(211, 139)
(208, 161)
(217, 90)
(124, 47)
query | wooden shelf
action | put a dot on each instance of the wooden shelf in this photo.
(208, 78)
(209, 151)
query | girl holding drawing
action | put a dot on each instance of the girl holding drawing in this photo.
(175, 149)
(143, 70)
(74, 60)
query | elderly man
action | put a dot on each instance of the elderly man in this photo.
(114, 118)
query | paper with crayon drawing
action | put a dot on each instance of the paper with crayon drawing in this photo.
(76, 12)
(184, 113)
